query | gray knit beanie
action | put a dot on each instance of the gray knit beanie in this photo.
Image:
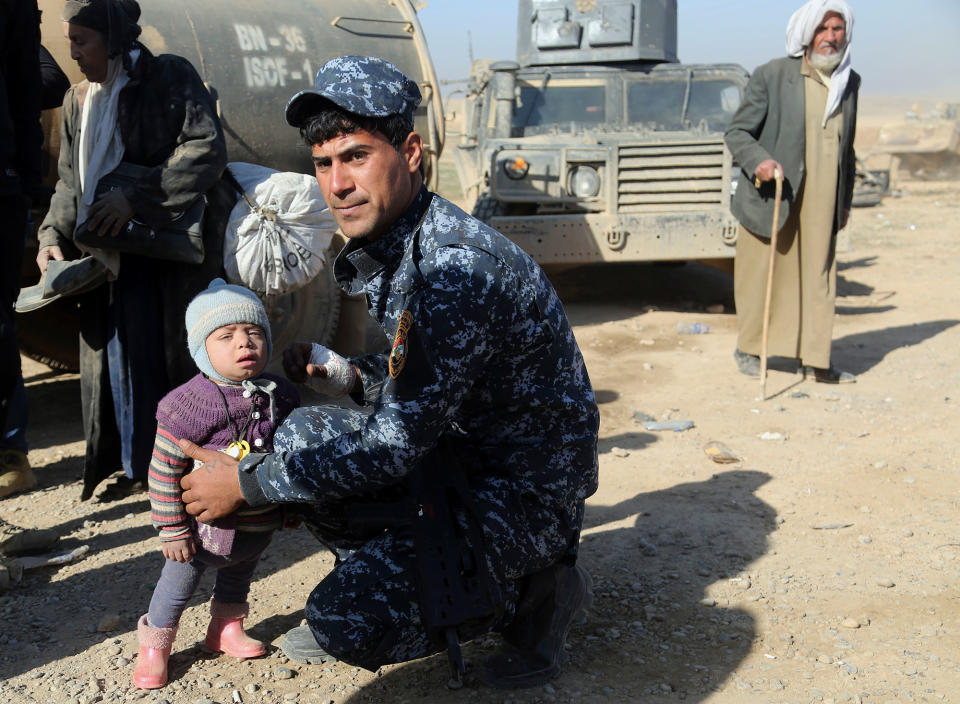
(218, 305)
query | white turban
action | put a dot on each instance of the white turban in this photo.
(800, 31)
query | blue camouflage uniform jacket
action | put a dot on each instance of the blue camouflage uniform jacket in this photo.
(482, 352)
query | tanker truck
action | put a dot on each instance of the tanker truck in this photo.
(252, 56)
(596, 144)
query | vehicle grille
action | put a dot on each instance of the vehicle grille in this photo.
(672, 176)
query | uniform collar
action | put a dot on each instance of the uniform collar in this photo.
(361, 260)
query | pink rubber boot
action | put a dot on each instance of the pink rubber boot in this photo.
(225, 633)
(155, 643)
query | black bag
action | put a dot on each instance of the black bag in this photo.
(178, 240)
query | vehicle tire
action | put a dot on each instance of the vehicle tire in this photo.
(487, 207)
(309, 314)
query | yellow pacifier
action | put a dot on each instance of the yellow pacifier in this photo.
(239, 449)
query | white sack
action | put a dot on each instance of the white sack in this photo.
(280, 246)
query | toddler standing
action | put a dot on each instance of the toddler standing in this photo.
(233, 407)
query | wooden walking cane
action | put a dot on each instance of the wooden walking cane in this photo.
(774, 228)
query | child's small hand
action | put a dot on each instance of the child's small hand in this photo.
(179, 550)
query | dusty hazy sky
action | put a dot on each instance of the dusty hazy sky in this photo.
(907, 49)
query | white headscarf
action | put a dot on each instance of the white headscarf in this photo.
(800, 31)
(101, 144)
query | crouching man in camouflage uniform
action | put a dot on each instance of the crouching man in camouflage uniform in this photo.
(484, 386)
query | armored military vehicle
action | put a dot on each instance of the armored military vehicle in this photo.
(924, 144)
(596, 145)
(253, 56)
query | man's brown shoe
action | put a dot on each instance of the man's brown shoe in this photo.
(15, 473)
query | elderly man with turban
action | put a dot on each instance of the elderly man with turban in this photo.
(151, 112)
(798, 117)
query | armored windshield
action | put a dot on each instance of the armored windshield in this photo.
(670, 103)
(554, 103)
(678, 104)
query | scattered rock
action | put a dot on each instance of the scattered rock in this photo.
(850, 623)
(769, 435)
(886, 583)
(831, 526)
(619, 452)
(283, 673)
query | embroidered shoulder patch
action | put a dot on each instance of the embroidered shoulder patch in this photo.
(398, 353)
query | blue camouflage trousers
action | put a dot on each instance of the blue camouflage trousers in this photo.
(366, 611)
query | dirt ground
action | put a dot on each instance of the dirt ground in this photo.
(820, 567)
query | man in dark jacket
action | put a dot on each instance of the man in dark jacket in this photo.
(20, 142)
(132, 341)
(798, 118)
(482, 407)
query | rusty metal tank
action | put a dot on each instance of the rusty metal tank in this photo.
(253, 56)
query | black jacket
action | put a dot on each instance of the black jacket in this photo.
(168, 122)
(20, 133)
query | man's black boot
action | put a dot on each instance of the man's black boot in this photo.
(829, 375)
(549, 604)
(299, 645)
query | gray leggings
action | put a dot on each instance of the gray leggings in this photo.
(178, 580)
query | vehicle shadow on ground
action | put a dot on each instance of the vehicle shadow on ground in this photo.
(653, 558)
(860, 352)
(625, 288)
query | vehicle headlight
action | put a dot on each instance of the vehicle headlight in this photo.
(516, 167)
(584, 182)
